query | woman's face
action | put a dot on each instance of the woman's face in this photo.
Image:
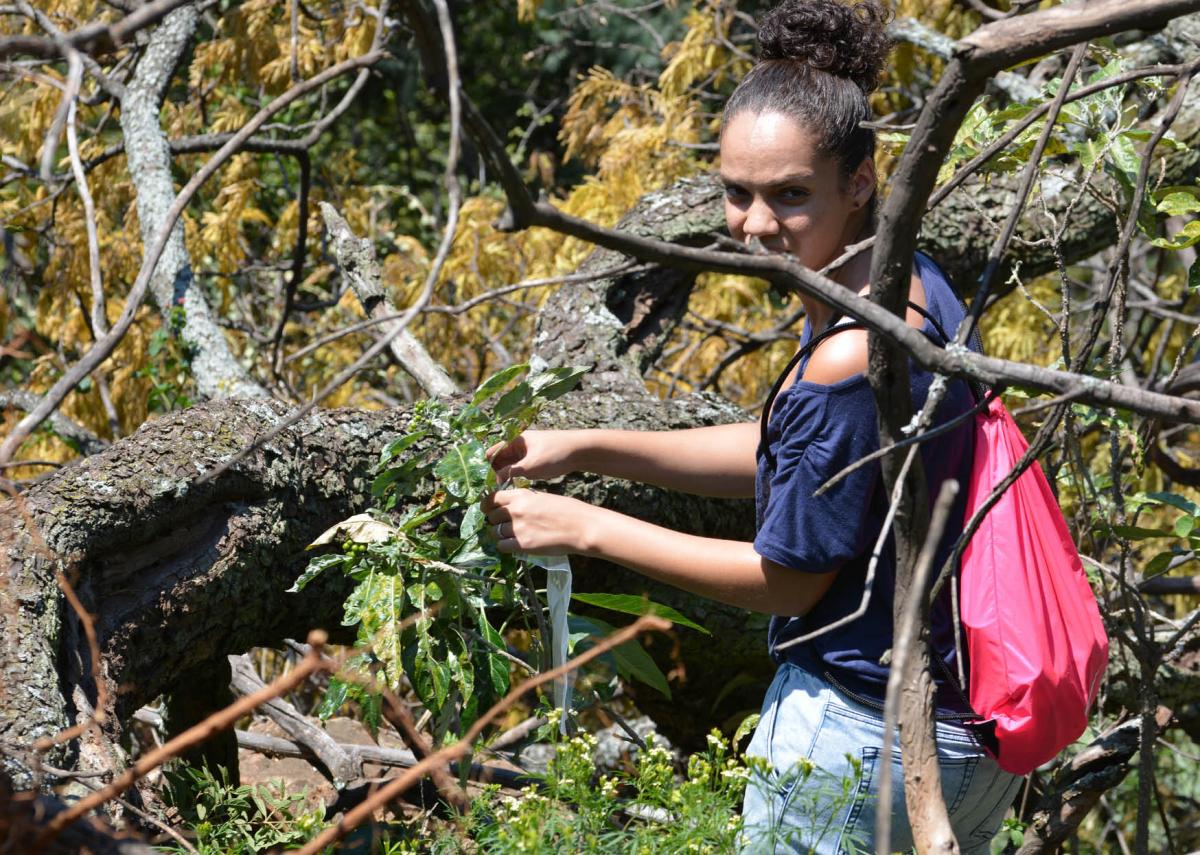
(781, 189)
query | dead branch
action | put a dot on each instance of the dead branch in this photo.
(356, 258)
(360, 814)
(215, 723)
(343, 768)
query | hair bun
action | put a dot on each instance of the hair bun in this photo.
(844, 40)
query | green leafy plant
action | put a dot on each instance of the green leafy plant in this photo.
(651, 808)
(168, 367)
(430, 580)
(227, 819)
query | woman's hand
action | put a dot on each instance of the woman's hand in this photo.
(529, 521)
(535, 454)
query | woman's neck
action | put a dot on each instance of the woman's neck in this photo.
(854, 275)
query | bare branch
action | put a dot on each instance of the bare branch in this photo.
(94, 38)
(356, 258)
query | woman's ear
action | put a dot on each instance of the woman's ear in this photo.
(862, 182)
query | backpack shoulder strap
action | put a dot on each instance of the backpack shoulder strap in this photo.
(764, 447)
(807, 350)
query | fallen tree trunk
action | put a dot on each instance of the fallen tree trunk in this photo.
(178, 573)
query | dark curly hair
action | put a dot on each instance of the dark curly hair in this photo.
(818, 62)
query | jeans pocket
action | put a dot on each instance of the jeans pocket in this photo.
(858, 832)
(993, 794)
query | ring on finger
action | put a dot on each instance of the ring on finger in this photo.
(500, 531)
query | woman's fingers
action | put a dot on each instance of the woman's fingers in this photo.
(529, 521)
(502, 525)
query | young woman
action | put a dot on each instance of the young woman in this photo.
(799, 175)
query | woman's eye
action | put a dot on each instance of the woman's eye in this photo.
(794, 194)
(732, 191)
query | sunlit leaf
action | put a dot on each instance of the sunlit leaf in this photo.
(360, 528)
(464, 470)
(335, 698)
(499, 381)
(631, 604)
(556, 382)
(316, 567)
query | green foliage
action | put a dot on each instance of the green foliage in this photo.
(817, 794)
(168, 365)
(649, 809)
(631, 604)
(1184, 529)
(427, 579)
(630, 659)
(226, 819)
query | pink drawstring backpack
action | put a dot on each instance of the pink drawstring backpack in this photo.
(1036, 642)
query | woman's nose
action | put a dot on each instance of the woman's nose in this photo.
(760, 220)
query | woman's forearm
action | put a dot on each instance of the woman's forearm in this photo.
(714, 461)
(725, 570)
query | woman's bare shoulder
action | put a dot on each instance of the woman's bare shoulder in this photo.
(844, 354)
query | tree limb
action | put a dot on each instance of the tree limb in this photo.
(356, 258)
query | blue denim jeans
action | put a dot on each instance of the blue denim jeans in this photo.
(815, 789)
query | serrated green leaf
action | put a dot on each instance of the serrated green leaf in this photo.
(631, 604)
(512, 401)
(335, 697)
(316, 567)
(464, 470)
(495, 384)
(1184, 526)
(556, 382)
(1176, 501)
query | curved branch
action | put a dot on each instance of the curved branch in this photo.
(217, 372)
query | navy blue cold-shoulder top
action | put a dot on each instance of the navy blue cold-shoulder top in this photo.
(815, 431)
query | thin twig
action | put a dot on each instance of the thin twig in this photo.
(215, 723)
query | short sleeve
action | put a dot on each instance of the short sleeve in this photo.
(820, 430)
